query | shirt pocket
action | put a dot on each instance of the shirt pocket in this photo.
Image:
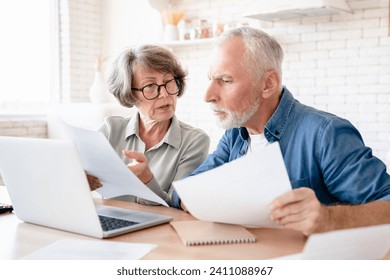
(305, 182)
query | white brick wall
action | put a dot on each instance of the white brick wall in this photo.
(81, 45)
(24, 127)
(338, 63)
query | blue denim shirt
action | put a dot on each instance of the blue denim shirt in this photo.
(320, 150)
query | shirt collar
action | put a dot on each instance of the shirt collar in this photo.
(172, 137)
(276, 124)
(133, 126)
(243, 133)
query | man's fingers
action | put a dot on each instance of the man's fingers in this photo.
(290, 209)
(292, 196)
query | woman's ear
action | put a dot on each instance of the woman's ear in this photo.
(270, 85)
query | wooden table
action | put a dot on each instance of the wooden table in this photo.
(19, 238)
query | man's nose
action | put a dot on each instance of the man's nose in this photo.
(211, 93)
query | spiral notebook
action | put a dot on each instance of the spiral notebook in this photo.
(210, 233)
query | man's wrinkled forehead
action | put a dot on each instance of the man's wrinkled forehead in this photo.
(225, 61)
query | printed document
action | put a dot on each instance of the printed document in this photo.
(76, 249)
(99, 159)
(364, 243)
(237, 192)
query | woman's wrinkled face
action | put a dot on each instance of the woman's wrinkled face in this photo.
(161, 108)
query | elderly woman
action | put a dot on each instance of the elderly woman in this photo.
(155, 145)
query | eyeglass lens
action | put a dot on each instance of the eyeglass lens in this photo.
(153, 90)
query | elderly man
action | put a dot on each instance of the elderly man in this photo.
(337, 182)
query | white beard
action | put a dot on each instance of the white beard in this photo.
(235, 119)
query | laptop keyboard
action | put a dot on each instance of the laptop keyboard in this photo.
(110, 223)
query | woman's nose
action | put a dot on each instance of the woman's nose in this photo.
(162, 92)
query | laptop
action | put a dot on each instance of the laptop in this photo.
(47, 186)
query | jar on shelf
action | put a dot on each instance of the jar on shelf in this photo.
(204, 29)
(171, 32)
(184, 30)
(217, 28)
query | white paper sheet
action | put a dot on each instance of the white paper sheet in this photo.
(99, 159)
(365, 243)
(237, 192)
(74, 249)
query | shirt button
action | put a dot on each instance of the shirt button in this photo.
(242, 152)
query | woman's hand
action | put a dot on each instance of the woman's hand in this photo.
(93, 182)
(139, 166)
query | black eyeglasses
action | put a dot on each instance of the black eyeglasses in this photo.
(152, 91)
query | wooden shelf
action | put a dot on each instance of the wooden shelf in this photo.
(188, 43)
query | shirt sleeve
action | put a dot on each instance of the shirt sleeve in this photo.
(154, 186)
(193, 156)
(220, 156)
(351, 172)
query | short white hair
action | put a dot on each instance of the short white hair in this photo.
(262, 51)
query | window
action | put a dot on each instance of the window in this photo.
(26, 64)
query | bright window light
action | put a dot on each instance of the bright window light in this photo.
(24, 55)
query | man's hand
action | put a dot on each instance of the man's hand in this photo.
(139, 166)
(300, 210)
(93, 182)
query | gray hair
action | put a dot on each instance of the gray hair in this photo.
(262, 52)
(149, 57)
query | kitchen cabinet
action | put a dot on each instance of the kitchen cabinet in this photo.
(284, 10)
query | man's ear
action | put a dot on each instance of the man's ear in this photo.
(270, 85)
